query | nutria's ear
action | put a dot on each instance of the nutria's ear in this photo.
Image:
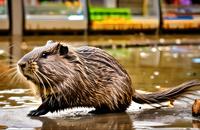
(49, 42)
(63, 49)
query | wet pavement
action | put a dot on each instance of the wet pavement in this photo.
(152, 67)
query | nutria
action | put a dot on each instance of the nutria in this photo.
(85, 77)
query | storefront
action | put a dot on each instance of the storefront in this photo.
(123, 14)
(181, 14)
(4, 17)
(55, 15)
(102, 15)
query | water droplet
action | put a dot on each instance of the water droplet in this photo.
(157, 86)
(156, 73)
(153, 49)
(178, 41)
(162, 40)
(1, 52)
(152, 77)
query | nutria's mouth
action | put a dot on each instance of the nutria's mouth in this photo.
(28, 77)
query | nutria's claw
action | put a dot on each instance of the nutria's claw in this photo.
(32, 113)
(37, 112)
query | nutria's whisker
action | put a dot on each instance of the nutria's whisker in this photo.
(51, 88)
(40, 81)
(57, 87)
(14, 77)
(36, 91)
(8, 71)
(11, 73)
(13, 65)
(44, 78)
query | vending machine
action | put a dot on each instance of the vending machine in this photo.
(55, 15)
(4, 15)
(123, 15)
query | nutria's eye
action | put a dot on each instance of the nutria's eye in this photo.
(45, 54)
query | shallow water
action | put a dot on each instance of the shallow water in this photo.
(152, 68)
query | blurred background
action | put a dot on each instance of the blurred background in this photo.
(98, 16)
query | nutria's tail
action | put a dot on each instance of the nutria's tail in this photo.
(167, 95)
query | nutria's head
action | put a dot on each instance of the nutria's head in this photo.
(48, 64)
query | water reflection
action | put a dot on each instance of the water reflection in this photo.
(159, 66)
(195, 123)
(120, 121)
(13, 98)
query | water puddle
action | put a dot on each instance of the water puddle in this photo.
(151, 69)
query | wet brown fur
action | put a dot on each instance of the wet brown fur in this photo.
(84, 77)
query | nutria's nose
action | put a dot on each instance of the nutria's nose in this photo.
(22, 65)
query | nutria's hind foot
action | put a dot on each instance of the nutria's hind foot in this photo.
(38, 112)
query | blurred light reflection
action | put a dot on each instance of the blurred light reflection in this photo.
(196, 60)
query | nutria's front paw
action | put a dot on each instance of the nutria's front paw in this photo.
(37, 112)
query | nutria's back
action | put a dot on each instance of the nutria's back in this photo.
(112, 84)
